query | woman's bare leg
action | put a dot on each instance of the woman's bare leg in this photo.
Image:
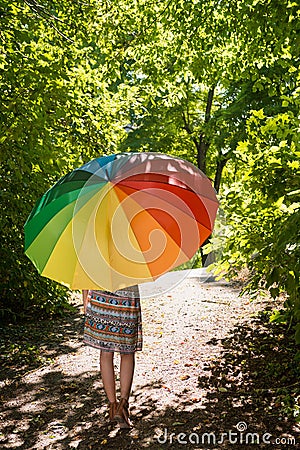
(126, 377)
(108, 374)
(126, 374)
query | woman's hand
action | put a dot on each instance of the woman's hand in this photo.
(85, 299)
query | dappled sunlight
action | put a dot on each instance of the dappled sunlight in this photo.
(211, 363)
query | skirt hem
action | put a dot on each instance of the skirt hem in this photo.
(112, 349)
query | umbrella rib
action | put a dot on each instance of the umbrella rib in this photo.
(181, 209)
(78, 251)
(170, 237)
(132, 228)
(168, 184)
(38, 222)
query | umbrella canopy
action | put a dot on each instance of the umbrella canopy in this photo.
(120, 220)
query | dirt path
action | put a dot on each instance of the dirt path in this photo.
(206, 369)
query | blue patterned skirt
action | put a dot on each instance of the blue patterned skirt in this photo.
(113, 321)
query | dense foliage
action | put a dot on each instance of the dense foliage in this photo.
(214, 82)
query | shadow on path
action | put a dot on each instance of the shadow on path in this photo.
(30, 345)
(248, 394)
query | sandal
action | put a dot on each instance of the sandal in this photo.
(112, 411)
(122, 414)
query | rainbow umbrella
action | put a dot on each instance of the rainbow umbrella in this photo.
(120, 220)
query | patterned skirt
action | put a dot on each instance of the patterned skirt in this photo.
(113, 321)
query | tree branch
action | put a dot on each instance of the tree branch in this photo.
(203, 142)
(41, 11)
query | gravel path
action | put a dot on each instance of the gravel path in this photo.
(194, 377)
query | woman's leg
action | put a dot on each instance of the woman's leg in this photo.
(126, 377)
(108, 374)
(126, 374)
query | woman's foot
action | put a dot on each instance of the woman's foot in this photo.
(112, 411)
(122, 414)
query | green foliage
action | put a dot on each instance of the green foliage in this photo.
(214, 83)
(260, 194)
(51, 121)
(263, 210)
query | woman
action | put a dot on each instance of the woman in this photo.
(113, 324)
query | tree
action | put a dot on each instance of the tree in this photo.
(262, 202)
(53, 117)
(244, 59)
(213, 82)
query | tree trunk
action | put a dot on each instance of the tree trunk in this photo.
(218, 176)
(203, 145)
